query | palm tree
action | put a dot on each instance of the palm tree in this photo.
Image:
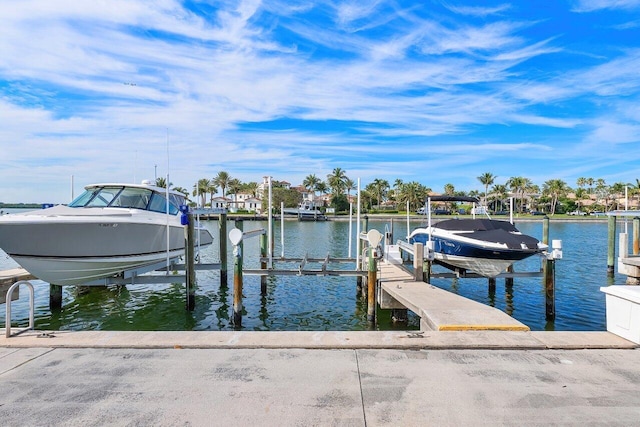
(486, 179)
(336, 181)
(378, 189)
(555, 188)
(222, 180)
(499, 192)
(518, 186)
(235, 186)
(349, 185)
(413, 192)
(162, 182)
(202, 188)
(183, 191)
(251, 188)
(449, 189)
(310, 183)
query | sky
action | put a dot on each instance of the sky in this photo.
(432, 91)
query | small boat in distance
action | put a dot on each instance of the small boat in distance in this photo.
(481, 245)
(306, 211)
(108, 229)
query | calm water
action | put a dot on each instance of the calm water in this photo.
(325, 303)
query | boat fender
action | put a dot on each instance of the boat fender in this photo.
(184, 218)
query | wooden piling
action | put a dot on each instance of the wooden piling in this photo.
(237, 281)
(550, 289)
(263, 263)
(636, 236)
(508, 281)
(545, 240)
(371, 292)
(189, 260)
(222, 225)
(611, 246)
(55, 297)
(492, 285)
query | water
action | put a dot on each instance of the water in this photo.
(325, 303)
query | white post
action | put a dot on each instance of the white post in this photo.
(408, 225)
(511, 210)
(72, 196)
(358, 230)
(282, 229)
(270, 226)
(429, 221)
(350, 227)
(626, 206)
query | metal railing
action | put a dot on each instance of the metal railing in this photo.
(31, 307)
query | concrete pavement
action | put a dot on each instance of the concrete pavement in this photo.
(319, 378)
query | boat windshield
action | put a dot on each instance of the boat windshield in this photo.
(127, 197)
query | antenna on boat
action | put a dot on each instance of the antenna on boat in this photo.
(167, 197)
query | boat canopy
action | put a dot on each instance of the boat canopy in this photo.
(453, 199)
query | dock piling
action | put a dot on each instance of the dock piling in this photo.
(222, 224)
(55, 297)
(611, 246)
(189, 260)
(418, 261)
(371, 291)
(237, 276)
(550, 289)
(263, 263)
(636, 236)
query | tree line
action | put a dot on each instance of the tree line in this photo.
(552, 197)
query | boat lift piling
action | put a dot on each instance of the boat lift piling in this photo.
(237, 236)
(222, 225)
(611, 246)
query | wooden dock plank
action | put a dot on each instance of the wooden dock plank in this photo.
(441, 310)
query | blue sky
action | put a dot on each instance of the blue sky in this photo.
(435, 91)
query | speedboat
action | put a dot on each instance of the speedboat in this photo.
(107, 230)
(483, 246)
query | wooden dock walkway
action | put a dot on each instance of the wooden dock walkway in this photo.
(439, 310)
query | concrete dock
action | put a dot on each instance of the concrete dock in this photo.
(318, 379)
(469, 366)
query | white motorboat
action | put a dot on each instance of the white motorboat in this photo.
(109, 229)
(306, 212)
(481, 245)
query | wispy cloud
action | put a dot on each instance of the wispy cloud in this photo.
(381, 89)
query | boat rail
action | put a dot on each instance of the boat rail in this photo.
(31, 308)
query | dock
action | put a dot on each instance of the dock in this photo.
(9, 277)
(439, 310)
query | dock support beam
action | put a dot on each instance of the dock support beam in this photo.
(189, 260)
(222, 225)
(237, 281)
(611, 246)
(550, 289)
(418, 262)
(636, 236)
(55, 297)
(371, 288)
(263, 263)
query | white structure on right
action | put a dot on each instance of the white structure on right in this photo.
(623, 311)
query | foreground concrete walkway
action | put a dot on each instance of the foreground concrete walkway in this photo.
(319, 378)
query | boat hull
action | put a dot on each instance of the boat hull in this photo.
(486, 258)
(67, 246)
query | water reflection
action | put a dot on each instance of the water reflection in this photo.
(329, 303)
